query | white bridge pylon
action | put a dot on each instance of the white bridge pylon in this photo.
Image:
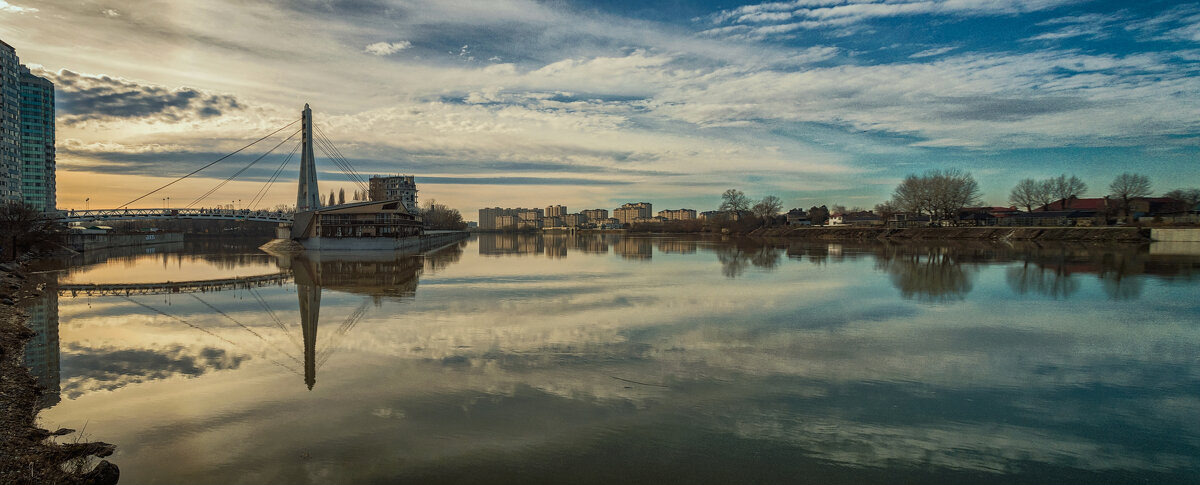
(70, 216)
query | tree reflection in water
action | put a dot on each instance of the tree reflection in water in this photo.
(1053, 281)
(931, 274)
(738, 255)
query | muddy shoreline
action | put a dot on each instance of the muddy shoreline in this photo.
(27, 452)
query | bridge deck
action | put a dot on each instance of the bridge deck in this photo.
(135, 214)
(175, 287)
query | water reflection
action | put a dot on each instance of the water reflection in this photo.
(374, 276)
(736, 256)
(710, 360)
(937, 274)
(942, 272)
(42, 350)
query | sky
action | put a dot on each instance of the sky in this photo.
(591, 104)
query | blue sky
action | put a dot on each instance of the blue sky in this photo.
(592, 104)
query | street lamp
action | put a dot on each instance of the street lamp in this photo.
(87, 203)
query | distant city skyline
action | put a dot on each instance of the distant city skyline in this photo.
(517, 103)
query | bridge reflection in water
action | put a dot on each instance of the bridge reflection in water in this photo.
(373, 275)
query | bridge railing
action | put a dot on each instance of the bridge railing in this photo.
(236, 283)
(199, 213)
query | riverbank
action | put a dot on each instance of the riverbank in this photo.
(27, 454)
(1074, 234)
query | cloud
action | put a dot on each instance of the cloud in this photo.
(8, 7)
(387, 48)
(1181, 23)
(932, 52)
(108, 368)
(782, 17)
(83, 97)
(1091, 26)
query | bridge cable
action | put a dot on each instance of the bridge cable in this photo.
(342, 165)
(345, 327)
(214, 162)
(336, 151)
(239, 172)
(279, 323)
(240, 324)
(262, 193)
(330, 151)
(202, 329)
(336, 155)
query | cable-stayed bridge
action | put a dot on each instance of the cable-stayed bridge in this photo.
(308, 195)
(209, 214)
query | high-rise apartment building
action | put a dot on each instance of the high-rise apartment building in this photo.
(37, 141)
(595, 214)
(677, 215)
(495, 218)
(556, 211)
(627, 213)
(574, 220)
(397, 187)
(10, 125)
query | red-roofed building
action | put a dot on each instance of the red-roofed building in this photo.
(1111, 207)
(1093, 204)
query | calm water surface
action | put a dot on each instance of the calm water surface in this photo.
(611, 359)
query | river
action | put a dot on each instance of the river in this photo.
(611, 359)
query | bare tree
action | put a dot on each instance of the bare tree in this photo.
(341, 196)
(939, 193)
(331, 198)
(886, 210)
(22, 228)
(1129, 186)
(1189, 197)
(1026, 194)
(1066, 188)
(734, 200)
(769, 206)
(837, 209)
(440, 216)
(912, 195)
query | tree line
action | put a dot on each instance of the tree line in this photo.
(943, 194)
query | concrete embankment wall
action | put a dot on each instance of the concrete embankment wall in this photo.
(1088, 234)
(89, 242)
(437, 239)
(425, 242)
(1175, 235)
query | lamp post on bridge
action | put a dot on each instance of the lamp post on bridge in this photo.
(87, 203)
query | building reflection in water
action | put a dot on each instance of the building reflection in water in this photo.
(374, 275)
(636, 248)
(924, 272)
(42, 350)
